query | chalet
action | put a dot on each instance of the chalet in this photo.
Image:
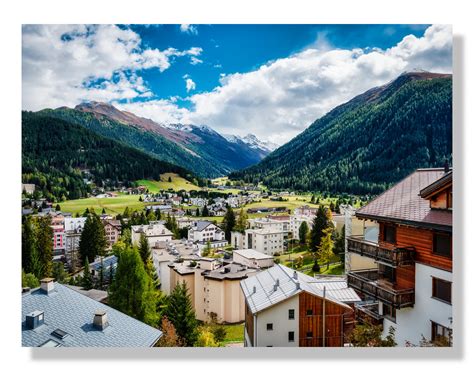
(286, 308)
(403, 268)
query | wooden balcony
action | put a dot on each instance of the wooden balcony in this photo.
(368, 282)
(368, 313)
(395, 256)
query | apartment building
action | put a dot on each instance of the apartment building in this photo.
(286, 308)
(252, 258)
(213, 287)
(112, 231)
(155, 232)
(404, 269)
(266, 241)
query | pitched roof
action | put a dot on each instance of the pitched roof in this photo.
(201, 225)
(436, 187)
(403, 203)
(107, 261)
(290, 283)
(72, 312)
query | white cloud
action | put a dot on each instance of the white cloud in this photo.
(276, 102)
(66, 64)
(188, 28)
(283, 97)
(190, 84)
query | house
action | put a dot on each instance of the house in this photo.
(72, 236)
(306, 210)
(252, 258)
(57, 316)
(28, 188)
(266, 241)
(204, 231)
(184, 222)
(213, 287)
(403, 267)
(278, 224)
(154, 232)
(286, 308)
(112, 231)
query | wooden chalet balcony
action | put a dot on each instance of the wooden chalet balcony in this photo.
(395, 257)
(368, 313)
(367, 281)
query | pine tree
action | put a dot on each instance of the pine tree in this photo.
(103, 211)
(325, 249)
(242, 220)
(132, 291)
(58, 208)
(144, 248)
(86, 276)
(303, 232)
(59, 273)
(321, 222)
(205, 211)
(101, 274)
(111, 273)
(228, 223)
(93, 241)
(339, 243)
(181, 313)
(44, 243)
(28, 244)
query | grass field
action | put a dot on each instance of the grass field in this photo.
(177, 183)
(235, 333)
(114, 205)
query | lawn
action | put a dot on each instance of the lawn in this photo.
(177, 183)
(235, 333)
(113, 205)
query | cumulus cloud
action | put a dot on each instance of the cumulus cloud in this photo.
(188, 28)
(280, 99)
(190, 84)
(276, 101)
(66, 64)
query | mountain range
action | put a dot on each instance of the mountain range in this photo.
(198, 148)
(365, 145)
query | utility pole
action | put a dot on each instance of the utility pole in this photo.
(324, 316)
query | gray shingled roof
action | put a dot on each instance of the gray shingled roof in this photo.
(290, 283)
(72, 312)
(403, 202)
(201, 225)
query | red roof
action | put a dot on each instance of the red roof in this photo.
(403, 202)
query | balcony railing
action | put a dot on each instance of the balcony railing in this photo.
(395, 257)
(368, 313)
(368, 282)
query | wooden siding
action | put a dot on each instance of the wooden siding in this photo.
(422, 240)
(339, 321)
(249, 325)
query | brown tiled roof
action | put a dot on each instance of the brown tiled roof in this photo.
(403, 203)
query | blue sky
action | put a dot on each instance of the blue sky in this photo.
(269, 80)
(231, 49)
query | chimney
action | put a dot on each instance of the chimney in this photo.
(100, 320)
(254, 289)
(47, 285)
(446, 166)
(295, 275)
(34, 319)
(297, 285)
(277, 283)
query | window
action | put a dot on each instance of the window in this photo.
(309, 334)
(442, 244)
(291, 314)
(269, 326)
(309, 312)
(441, 290)
(389, 312)
(389, 233)
(291, 336)
(440, 334)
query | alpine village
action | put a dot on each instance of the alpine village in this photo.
(140, 234)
